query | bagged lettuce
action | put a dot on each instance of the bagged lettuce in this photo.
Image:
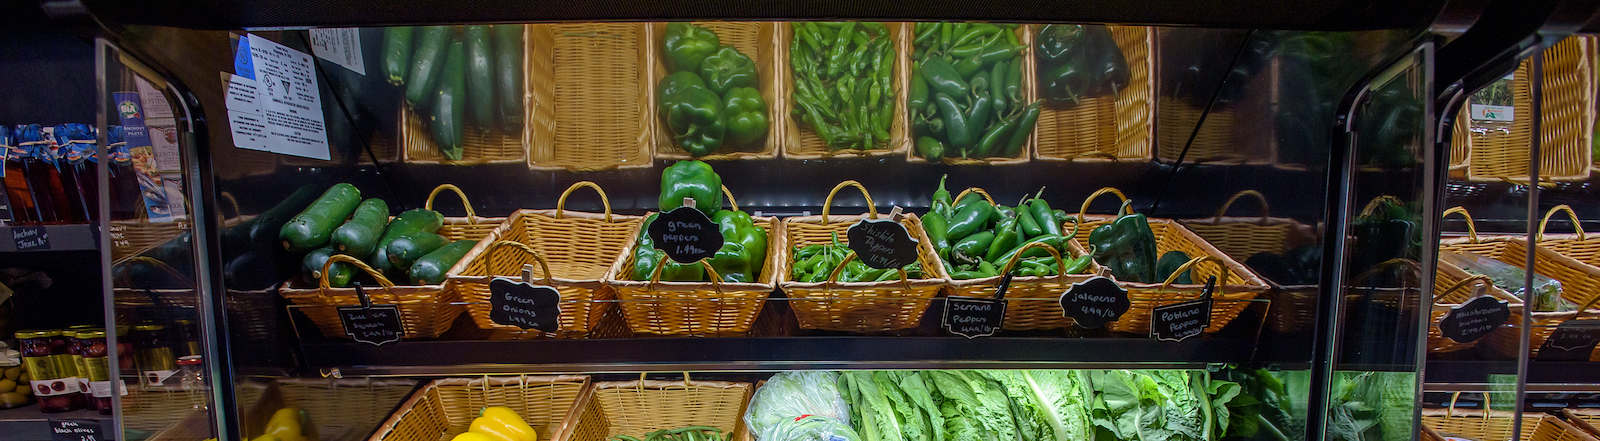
(810, 428)
(790, 395)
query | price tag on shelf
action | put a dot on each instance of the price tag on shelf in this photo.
(1094, 302)
(1475, 319)
(524, 305)
(74, 430)
(1572, 340)
(686, 234)
(371, 324)
(1180, 321)
(30, 238)
(974, 317)
(883, 243)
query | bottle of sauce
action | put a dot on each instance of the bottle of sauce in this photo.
(75, 153)
(152, 349)
(23, 209)
(44, 181)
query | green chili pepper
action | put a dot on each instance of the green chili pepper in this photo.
(1041, 211)
(934, 225)
(1005, 237)
(944, 35)
(836, 54)
(917, 95)
(997, 86)
(1014, 80)
(968, 50)
(929, 148)
(986, 269)
(1061, 218)
(942, 77)
(956, 30)
(992, 139)
(807, 36)
(1057, 242)
(972, 248)
(978, 31)
(1024, 127)
(1002, 212)
(1079, 265)
(1029, 222)
(969, 218)
(941, 199)
(956, 131)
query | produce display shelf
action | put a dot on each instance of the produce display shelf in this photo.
(26, 423)
(1539, 372)
(778, 353)
(70, 237)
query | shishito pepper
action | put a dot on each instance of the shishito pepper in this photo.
(746, 115)
(695, 117)
(728, 69)
(692, 179)
(1126, 246)
(687, 45)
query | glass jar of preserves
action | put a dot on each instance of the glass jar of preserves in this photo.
(75, 351)
(97, 369)
(125, 353)
(152, 349)
(52, 382)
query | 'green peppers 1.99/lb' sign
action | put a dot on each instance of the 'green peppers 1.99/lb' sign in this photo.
(686, 234)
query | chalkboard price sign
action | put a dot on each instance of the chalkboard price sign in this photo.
(1474, 320)
(1572, 340)
(74, 430)
(686, 234)
(524, 305)
(374, 325)
(1094, 302)
(882, 243)
(30, 238)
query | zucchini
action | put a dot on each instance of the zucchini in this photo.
(311, 267)
(508, 75)
(358, 236)
(431, 269)
(450, 103)
(412, 221)
(480, 85)
(432, 44)
(264, 228)
(311, 228)
(408, 248)
(397, 52)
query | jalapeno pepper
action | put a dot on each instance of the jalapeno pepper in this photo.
(956, 131)
(1023, 127)
(969, 218)
(1005, 238)
(935, 226)
(942, 77)
(1044, 215)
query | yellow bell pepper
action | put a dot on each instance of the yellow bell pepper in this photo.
(471, 436)
(501, 423)
(285, 425)
(266, 437)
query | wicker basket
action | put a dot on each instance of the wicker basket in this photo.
(1032, 303)
(1566, 121)
(479, 145)
(1577, 246)
(638, 407)
(471, 227)
(1585, 419)
(1242, 237)
(1504, 343)
(1213, 144)
(426, 311)
(802, 143)
(1122, 128)
(1025, 35)
(575, 249)
(856, 306)
(759, 41)
(1478, 424)
(1236, 285)
(445, 407)
(134, 237)
(1452, 287)
(706, 309)
(584, 116)
(1580, 283)
(1552, 428)
(1461, 142)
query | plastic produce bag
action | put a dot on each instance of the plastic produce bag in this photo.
(1547, 291)
(791, 395)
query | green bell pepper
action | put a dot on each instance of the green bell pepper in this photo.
(686, 46)
(667, 90)
(1126, 246)
(746, 115)
(738, 227)
(1079, 61)
(732, 262)
(692, 179)
(696, 120)
(728, 69)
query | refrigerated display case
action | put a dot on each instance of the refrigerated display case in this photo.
(1017, 223)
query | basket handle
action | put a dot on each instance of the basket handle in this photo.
(732, 204)
(1221, 281)
(561, 204)
(1126, 207)
(231, 202)
(971, 190)
(1462, 284)
(472, 217)
(1061, 264)
(833, 277)
(1472, 230)
(716, 280)
(322, 282)
(827, 204)
(1373, 204)
(1576, 225)
(1262, 200)
(488, 256)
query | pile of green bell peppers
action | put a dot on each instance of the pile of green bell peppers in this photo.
(710, 99)
(843, 90)
(976, 238)
(1079, 61)
(744, 249)
(965, 98)
(814, 263)
(1126, 246)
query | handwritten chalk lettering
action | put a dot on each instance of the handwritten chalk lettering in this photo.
(1094, 302)
(30, 238)
(972, 317)
(377, 325)
(686, 235)
(1572, 340)
(526, 306)
(1474, 320)
(1180, 321)
(882, 244)
(68, 430)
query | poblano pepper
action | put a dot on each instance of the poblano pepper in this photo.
(696, 120)
(728, 69)
(1127, 247)
(745, 113)
(1079, 61)
(692, 179)
(687, 45)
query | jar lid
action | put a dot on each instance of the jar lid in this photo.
(189, 360)
(48, 333)
(150, 327)
(82, 327)
(91, 333)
